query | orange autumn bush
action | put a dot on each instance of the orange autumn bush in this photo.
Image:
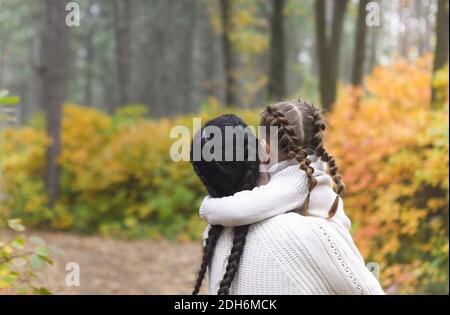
(393, 149)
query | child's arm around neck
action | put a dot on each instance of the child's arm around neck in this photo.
(286, 191)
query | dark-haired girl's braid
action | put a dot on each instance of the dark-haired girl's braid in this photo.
(240, 234)
(292, 147)
(208, 251)
(317, 143)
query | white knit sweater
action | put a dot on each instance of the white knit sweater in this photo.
(288, 253)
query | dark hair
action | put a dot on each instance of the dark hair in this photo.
(224, 178)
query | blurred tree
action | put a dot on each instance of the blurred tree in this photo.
(18, 35)
(54, 83)
(105, 43)
(177, 58)
(360, 44)
(93, 78)
(122, 13)
(371, 49)
(421, 15)
(3, 43)
(329, 49)
(301, 56)
(441, 50)
(403, 13)
(277, 88)
(230, 82)
(89, 54)
(182, 34)
(207, 59)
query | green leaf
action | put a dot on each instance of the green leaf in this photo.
(9, 279)
(18, 242)
(21, 291)
(36, 262)
(47, 260)
(41, 291)
(16, 225)
(42, 251)
(9, 100)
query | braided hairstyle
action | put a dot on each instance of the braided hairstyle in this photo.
(208, 251)
(300, 133)
(319, 127)
(221, 178)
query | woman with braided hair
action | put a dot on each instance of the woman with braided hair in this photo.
(298, 241)
(223, 177)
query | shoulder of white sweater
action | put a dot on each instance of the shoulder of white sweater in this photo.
(292, 233)
(309, 230)
(288, 222)
(292, 237)
(290, 228)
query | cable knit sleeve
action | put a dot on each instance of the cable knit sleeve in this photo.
(354, 273)
(286, 191)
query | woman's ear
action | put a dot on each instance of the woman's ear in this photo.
(267, 146)
(264, 152)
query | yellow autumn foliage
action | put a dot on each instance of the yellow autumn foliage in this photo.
(117, 176)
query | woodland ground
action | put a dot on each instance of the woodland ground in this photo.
(109, 266)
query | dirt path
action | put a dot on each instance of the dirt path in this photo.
(121, 267)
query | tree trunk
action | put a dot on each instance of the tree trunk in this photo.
(404, 40)
(329, 49)
(334, 48)
(3, 45)
(321, 42)
(210, 57)
(89, 62)
(277, 84)
(420, 13)
(429, 30)
(122, 32)
(54, 78)
(360, 45)
(36, 60)
(89, 66)
(183, 67)
(441, 50)
(371, 51)
(230, 88)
